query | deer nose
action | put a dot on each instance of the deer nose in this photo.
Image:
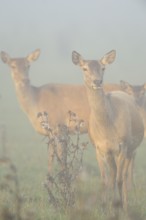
(97, 82)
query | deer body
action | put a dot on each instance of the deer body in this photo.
(115, 125)
(55, 99)
(138, 92)
(106, 121)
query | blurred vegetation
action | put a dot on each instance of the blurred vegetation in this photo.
(23, 169)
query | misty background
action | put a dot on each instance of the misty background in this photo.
(91, 27)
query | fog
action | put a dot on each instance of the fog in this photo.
(57, 27)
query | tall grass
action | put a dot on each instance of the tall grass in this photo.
(23, 169)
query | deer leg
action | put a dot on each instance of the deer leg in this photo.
(103, 174)
(130, 180)
(112, 172)
(102, 169)
(120, 164)
(124, 177)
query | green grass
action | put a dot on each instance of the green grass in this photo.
(29, 154)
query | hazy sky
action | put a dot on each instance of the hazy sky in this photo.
(91, 27)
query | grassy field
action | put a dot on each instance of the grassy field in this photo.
(28, 152)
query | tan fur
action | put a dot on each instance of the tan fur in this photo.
(138, 92)
(55, 99)
(115, 125)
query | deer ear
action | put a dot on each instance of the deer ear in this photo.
(124, 85)
(108, 58)
(5, 57)
(34, 55)
(77, 58)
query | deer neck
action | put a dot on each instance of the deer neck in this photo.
(24, 90)
(99, 103)
(101, 120)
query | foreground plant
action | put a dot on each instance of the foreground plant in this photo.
(67, 156)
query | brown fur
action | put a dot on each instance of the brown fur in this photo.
(138, 92)
(55, 99)
(115, 125)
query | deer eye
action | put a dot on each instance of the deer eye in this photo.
(85, 69)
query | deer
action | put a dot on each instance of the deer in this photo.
(55, 99)
(138, 92)
(115, 125)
